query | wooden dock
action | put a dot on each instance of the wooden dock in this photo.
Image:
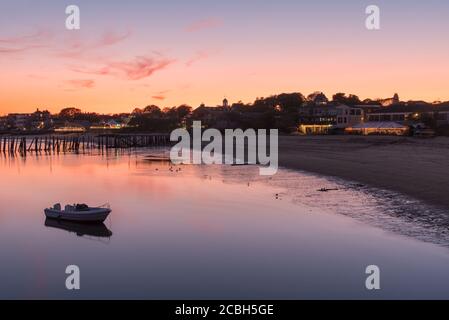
(12, 144)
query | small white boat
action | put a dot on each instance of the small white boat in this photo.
(79, 213)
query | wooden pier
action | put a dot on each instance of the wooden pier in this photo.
(11, 144)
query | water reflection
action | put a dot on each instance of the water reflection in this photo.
(80, 229)
(208, 232)
(384, 209)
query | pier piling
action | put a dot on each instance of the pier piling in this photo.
(23, 144)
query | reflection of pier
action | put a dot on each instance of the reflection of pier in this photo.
(76, 143)
(94, 230)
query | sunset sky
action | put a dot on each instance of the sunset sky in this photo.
(135, 53)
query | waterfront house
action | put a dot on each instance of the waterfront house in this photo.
(378, 128)
(36, 121)
(3, 123)
(108, 125)
(213, 117)
(317, 119)
(70, 127)
(19, 121)
(411, 114)
(325, 119)
(348, 116)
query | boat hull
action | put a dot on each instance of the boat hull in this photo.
(93, 215)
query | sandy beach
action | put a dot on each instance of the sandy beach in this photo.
(412, 166)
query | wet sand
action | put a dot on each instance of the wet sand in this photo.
(413, 166)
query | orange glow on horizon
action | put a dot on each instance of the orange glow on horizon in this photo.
(115, 67)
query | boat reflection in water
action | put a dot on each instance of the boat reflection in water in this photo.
(81, 229)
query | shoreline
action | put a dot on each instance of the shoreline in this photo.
(415, 167)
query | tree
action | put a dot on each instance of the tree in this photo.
(317, 97)
(290, 102)
(183, 111)
(137, 111)
(350, 100)
(91, 117)
(240, 107)
(152, 111)
(69, 113)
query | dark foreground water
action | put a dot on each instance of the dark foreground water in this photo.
(194, 232)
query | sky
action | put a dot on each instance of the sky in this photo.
(134, 53)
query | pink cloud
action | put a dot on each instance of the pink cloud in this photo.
(35, 76)
(23, 43)
(158, 97)
(110, 38)
(200, 55)
(37, 37)
(71, 46)
(6, 50)
(204, 24)
(137, 69)
(81, 84)
(78, 47)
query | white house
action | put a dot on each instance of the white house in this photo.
(348, 116)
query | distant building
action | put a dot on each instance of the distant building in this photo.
(317, 119)
(39, 120)
(126, 119)
(378, 128)
(3, 123)
(19, 121)
(323, 119)
(213, 117)
(108, 125)
(421, 130)
(411, 115)
(348, 116)
(70, 127)
(389, 115)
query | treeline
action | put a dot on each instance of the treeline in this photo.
(154, 119)
(275, 112)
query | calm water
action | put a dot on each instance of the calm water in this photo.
(191, 232)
